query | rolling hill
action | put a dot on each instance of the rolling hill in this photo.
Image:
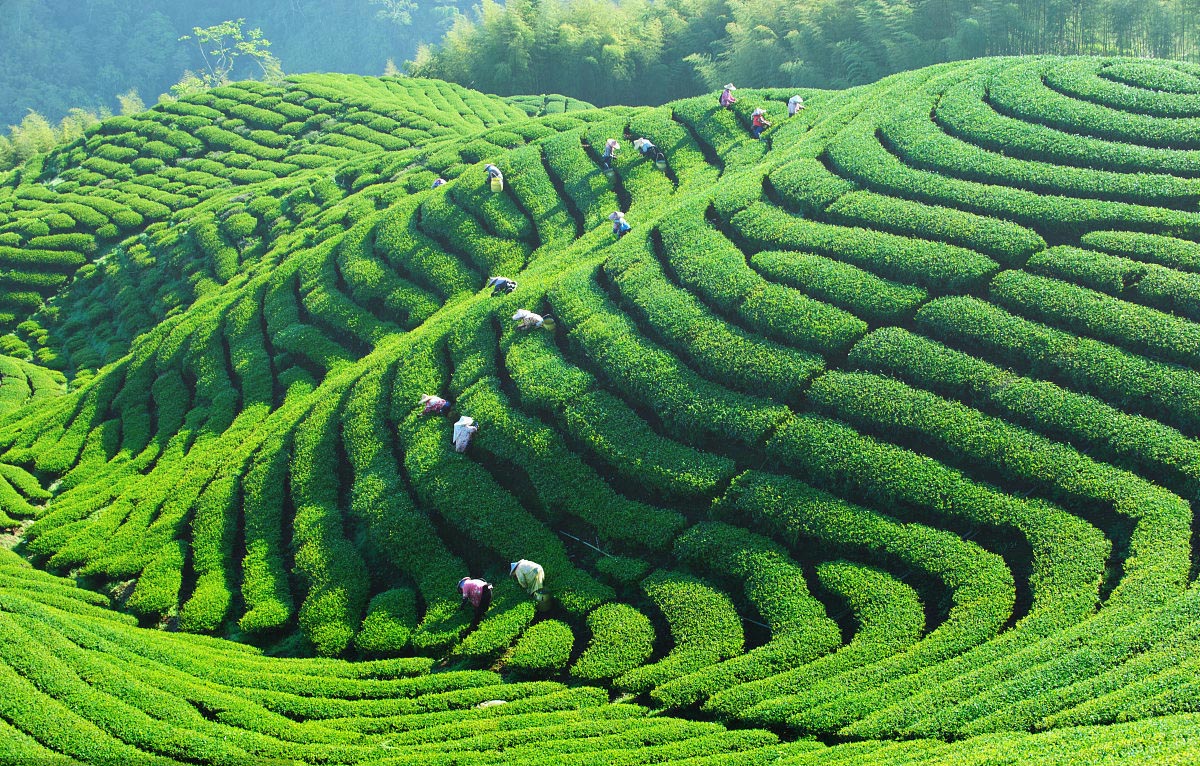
(874, 441)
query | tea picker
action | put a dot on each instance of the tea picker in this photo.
(758, 122)
(528, 320)
(477, 593)
(530, 576)
(434, 405)
(610, 151)
(464, 429)
(621, 227)
(495, 177)
(501, 285)
(727, 100)
(650, 151)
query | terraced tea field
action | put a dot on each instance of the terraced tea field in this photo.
(874, 441)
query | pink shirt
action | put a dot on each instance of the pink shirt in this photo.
(472, 590)
(726, 98)
(435, 405)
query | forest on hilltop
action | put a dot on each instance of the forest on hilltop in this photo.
(639, 52)
(56, 55)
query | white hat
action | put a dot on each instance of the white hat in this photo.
(616, 216)
(758, 111)
(730, 86)
(465, 421)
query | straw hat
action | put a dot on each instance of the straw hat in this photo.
(730, 86)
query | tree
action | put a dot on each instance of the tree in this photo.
(130, 102)
(398, 12)
(76, 122)
(7, 158)
(224, 47)
(33, 136)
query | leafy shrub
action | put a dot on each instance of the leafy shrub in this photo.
(1087, 312)
(1153, 248)
(543, 650)
(607, 426)
(937, 268)
(1131, 440)
(702, 260)
(1161, 288)
(1122, 379)
(1018, 455)
(775, 586)
(704, 628)
(391, 618)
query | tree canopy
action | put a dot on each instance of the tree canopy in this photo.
(56, 55)
(634, 51)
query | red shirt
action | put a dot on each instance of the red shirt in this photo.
(758, 120)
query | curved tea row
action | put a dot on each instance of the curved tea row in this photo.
(879, 429)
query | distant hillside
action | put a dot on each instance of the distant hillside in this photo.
(874, 440)
(56, 55)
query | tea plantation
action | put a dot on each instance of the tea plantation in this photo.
(875, 440)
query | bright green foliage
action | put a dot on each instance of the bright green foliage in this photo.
(704, 628)
(622, 639)
(390, 621)
(881, 429)
(543, 650)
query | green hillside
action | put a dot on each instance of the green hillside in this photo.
(875, 441)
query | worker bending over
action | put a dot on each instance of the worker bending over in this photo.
(530, 576)
(795, 104)
(464, 429)
(434, 405)
(621, 227)
(527, 320)
(495, 177)
(501, 285)
(477, 593)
